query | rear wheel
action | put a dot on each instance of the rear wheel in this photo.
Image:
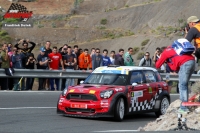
(119, 110)
(163, 106)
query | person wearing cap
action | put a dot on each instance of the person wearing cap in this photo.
(42, 64)
(194, 31)
(183, 65)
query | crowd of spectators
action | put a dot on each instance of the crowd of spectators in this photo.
(66, 58)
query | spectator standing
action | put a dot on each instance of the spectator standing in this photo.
(128, 60)
(43, 60)
(0, 58)
(146, 60)
(63, 52)
(10, 53)
(5, 64)
(0, 64)
(84, 60)
(55, 58)
(48, 50)
(193, 32)
(26, 51)
(112, 57)
(97, 59)
(106, 59)
(69, 62)
(156, 56)
(10, 47)
(75, 52)
(16, 59)
(92, 53)
(30, 64)
(119, 60)
(184, 65)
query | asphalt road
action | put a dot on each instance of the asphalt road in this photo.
(36, 112)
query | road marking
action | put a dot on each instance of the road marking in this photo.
(111, 131)
(27, 108)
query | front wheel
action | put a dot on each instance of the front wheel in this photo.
(119, 110)
(163, 106)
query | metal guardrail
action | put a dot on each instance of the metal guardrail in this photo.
(75, 74)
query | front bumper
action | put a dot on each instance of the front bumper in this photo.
(93, 109)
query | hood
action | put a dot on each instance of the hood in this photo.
(92, 88)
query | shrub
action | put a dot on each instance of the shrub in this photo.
(40, 26)
(142, 48)
(140, 55)
(135, 50)
(126, 5)
(6, 38)
(3, 33)
(145, 42)
(103, 21)
(11, 20)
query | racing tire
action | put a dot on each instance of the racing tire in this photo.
(164, 104)
(119, 110)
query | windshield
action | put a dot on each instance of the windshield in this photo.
(106, 79)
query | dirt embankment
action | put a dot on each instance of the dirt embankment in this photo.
(110, 24)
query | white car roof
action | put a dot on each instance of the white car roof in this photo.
(120, 69)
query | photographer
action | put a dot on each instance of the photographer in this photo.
(30, 64)
(69, 63)
(194, 33)
(25, 50)
(42, 64)
(16, 59)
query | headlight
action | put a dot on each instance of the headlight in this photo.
(64, 92)
(106, 94)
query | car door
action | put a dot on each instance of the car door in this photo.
(138, 92)
(151, 82)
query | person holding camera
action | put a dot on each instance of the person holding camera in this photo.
(69, 63)
(16, 59)
(25, 50)
(43, 61)
(30, 64)
(193, 32)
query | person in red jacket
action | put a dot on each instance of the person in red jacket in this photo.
(183, 65)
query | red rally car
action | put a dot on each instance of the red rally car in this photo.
(115, 92)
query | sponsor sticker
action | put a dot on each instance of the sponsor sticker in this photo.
(71, 90)
(150, 90)
(92, 91)
(137, 94)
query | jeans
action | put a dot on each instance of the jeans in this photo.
(185, 73)
(41, 83)
(52, 84)
(29, 83)
(69, 81)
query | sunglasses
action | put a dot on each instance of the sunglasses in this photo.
(146, 55)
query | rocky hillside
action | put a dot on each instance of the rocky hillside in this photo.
(111, 24)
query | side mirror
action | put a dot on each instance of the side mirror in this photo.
(134, 84)
(81, 82)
